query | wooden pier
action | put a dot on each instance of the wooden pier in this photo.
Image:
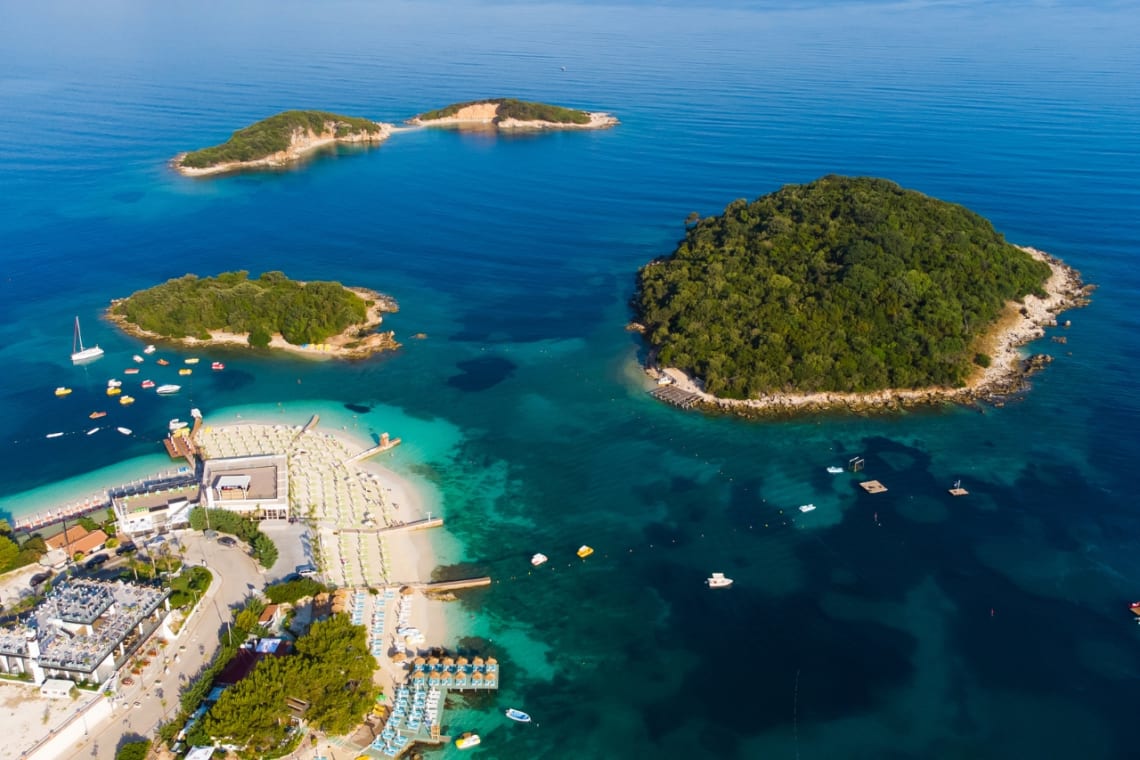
(435, 522)
(312, 423)
(385, 444)
(437, 586)
(678, 397)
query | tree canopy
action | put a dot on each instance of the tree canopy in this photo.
(274, 134)
(330, 669)
(510, 108)
(309, 312)
(841, 284)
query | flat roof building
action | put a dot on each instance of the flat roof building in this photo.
(254, 486)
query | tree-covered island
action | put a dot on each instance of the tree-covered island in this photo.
(280, 140)
(512, 114)
(272, 311)
(846, 292)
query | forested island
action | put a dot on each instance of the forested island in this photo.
(270, 311)
(512, 114)
(846, 292)
(280, 140)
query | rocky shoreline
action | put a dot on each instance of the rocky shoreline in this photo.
(357, 341)
(1005, 377)
(301, 144)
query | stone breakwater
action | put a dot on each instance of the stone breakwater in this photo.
(1007, 375)
(301, 143)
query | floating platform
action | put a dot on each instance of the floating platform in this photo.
(956, 491)
(671, 394)
(873, 486)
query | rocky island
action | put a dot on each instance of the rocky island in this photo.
(508, 114)
(272, 311)
(279, 141)
(847, 293)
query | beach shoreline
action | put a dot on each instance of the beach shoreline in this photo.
(1019, 325)
(357, 341)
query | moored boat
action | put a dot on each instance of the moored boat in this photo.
(177, 424)
(166, 390)
(113, 390)
(126, 400)
(138, 359)
(113, 383)
(835, 470)
(96, 415)
(93, 431)
(217, 366)
(82, 354)
(53, 435)
(718, 581)
(517, 715)
(807, 508)
(190, 360)
(538, 559)
(584, 551)
(62, 391)
(147, 383)
(149, 349)
(131, 371)
(162, 362)
(185, 371)
(124, 430)
(468, 740)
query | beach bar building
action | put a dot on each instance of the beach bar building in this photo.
(83, 631)
(255, 486)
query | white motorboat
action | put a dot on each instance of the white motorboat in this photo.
(53, 435)
(718, 581)
(538, 559)
(138, 359)
(807, 508)
(93, 431)
(177, 424)
(113, 383)
(124, 430)
(835, 470)
(517, 715)
(149, 349)
(166, 390)
(78, 352)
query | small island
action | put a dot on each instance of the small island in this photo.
(846, 293)
(279, 141)
(272, 311)
(509, 114)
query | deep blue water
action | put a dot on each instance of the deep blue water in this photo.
(902, 625)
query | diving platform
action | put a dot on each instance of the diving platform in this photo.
(675, 396)
(873, 486)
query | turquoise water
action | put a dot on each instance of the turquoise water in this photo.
(902, 625)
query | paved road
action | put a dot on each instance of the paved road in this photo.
(236, 575)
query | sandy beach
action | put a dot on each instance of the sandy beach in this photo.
(349, 344)
(1018, 325)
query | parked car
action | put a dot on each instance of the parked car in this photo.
(39, 578)
(227, 541)
(96, 561)
(126, 549)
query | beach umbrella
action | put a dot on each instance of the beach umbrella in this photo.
(407, 590)
(477, 662)
(461, 661)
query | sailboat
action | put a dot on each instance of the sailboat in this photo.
(82, 354)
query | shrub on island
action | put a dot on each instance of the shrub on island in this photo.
(842, 284)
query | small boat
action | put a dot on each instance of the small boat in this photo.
(584, 551)
(126, 400)
(113, 383)
(114, 390)
(138, 359)
(517, 715)
(162, 362)
(807, 508)
(96, 415)
(82, 354)
(835, 470)
(93, 431)
(538, 559)
(190, 360)
(147, 383)
(196, 413)
(718, 581)
(1135, 607)
(149, 349)
(62, 391)
(53, 435)
(217, 366)
(177, 424)
(664, 380)
(131, 371)
(166, 390)
(467, 741)
(185, 371)
(124, 430)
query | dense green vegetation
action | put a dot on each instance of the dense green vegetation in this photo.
(842, 284)
(289, 592)
(225, 521)
(523, 110)
(274, 134)
(13, 554)
(133, 750)
(192, 306)
(189, 586)
(330, 669)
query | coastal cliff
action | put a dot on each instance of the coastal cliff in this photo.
(278, 141)
(506, 114)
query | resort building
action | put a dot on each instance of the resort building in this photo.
(83, 631)
(155, 506)
(77, 540)
(255, 486)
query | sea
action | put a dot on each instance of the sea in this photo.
(907, 624)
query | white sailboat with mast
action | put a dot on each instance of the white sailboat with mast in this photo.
(78, 352)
